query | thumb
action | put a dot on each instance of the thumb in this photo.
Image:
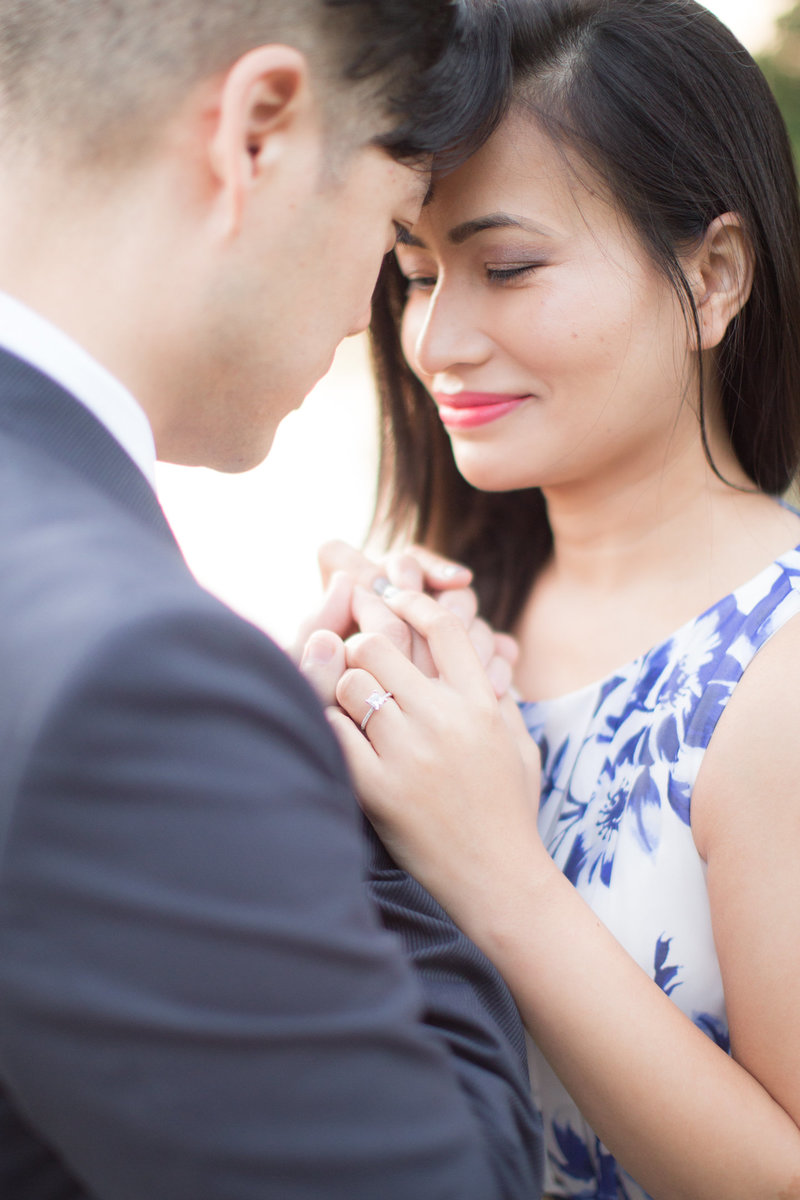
(323, 664)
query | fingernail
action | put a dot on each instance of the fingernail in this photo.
(451, 570)
(385, 589)
(319, 650)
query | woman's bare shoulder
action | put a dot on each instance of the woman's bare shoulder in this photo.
(751, 770)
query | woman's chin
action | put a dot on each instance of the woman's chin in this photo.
(492, 477)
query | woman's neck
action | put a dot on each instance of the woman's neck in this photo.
(635, 558)
(610, 531)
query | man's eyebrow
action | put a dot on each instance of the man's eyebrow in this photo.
(499, 220)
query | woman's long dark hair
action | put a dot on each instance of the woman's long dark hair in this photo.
(672, 113)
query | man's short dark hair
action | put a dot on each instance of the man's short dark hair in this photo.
(102, 76)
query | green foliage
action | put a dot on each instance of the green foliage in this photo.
(781, 65)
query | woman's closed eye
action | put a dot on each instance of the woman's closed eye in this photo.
(420, 283)
(507, 275)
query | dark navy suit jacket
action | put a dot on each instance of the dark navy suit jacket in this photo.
(200, 999)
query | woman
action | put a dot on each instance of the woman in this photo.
(601, 312)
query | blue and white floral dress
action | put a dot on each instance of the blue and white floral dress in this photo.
(620, 759)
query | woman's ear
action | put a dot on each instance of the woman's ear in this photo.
(263, 103)
(721, 272)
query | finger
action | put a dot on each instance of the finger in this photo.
(323, 663)
(403, 571)
(482, 638)
(362, 760)
(340, 556)
(360, 695)
(461, 601)
(500, 675)
(395, 673)
(420, 655)
(453, 655)
(410, 643)
(373, 616)
(506, 647)
(372, 780)
(440, 573)
(335, 613)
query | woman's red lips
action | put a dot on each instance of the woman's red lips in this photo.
(474, 399)
(467, 410)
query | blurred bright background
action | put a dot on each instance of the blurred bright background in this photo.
(252, 539)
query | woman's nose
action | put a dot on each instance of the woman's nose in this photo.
(449, 335)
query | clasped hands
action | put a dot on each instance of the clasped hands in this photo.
(353, 604)
(443, 764)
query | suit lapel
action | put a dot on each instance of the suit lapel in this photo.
(36, 409)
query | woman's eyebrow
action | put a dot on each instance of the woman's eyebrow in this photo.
(406, 238)
(500, 220)
(461, 233)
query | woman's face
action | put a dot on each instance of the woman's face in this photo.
(555, 351)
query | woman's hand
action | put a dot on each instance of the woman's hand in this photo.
(350, 575)
(344, 568)
(414, 569)
(353, 603)
(448, 775)
(450, 779)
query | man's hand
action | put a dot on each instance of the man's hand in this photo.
(353, 604)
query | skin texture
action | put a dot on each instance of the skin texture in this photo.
(546, 315)
(590, 331)
(243, 175)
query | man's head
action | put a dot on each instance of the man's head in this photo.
(98, 77)
(235, 171)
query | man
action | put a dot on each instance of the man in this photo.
(198, 999)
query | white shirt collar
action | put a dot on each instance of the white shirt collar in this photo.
(33, 338)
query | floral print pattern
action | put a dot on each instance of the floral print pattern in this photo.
(619, 762)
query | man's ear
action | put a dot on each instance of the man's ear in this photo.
(265, 101)
(721, 272)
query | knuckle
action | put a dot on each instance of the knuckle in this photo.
(345, 687)
(364, 648)
(405, 572)
(339, 556)
(463, 602)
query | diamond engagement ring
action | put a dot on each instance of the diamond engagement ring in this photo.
(375, 701)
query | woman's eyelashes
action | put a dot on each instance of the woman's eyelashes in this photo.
(511, 274)
(420, 283)
(503, 276)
